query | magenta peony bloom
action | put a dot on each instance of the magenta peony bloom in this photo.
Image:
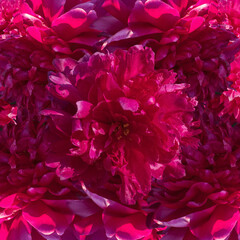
(26, 183)
(166, 19)
(186, 36)
(119, 119)
(125, 109)
(203, 204)
(24, 67)
(63, 26)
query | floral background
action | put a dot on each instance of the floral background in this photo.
(120, 119)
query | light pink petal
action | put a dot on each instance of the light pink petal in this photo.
(63, 64)
(104, 203)
(59, 78)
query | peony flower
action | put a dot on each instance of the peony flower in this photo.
(36, 204)
(25, 183)
(124, 111)
(203, 204)
(188, 37)
(157, 19)
(62, 26)
(24, 67)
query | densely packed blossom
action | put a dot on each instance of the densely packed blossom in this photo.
(125, 114)
(119, 119)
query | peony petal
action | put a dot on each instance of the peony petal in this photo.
(104, 203)
(4, 231)
(131, 33)
(88, 225)
(8, 201)
(137, 60)
(72, 23)
(219, 225)
(196, 23)
(20, 229)
(52, 9)
(155, 12)
(83, 109)
(180, 5)
(129, 227)
(45, 220)
(35, 33)
(128, 104)
(35, 4)
(117, 8)
(83, 208)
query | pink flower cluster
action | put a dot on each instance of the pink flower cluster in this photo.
(119, 119)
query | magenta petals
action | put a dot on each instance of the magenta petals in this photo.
(157, 13)
(72, 23)
(45, 220)
(52, 9)
(119, 120)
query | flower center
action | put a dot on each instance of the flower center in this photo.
(122, 130)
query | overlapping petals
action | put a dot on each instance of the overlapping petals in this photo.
(119, 119)
(125, 113)
(60, 25)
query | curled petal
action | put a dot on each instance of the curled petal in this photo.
(73, 22)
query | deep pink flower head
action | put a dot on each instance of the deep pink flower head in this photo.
(186, 36)
(64, 26)
(126, 115)
(204, 204)
(231, 9)
(37, 204)
(25, 183)
(24, 67)
(144, 19)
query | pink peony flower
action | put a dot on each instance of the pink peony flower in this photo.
(203, 204)
(187, 36)
(147, 19)
(63, 26)
(25, 183)
(124, 111)
(24, 67)
(101, 138)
